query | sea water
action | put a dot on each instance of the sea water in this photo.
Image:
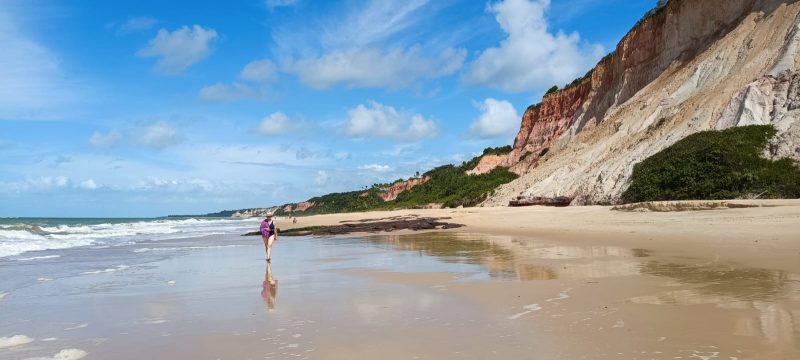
(23, 237)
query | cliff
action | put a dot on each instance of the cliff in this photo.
(395, 189)
(675, 73)
(488, 163)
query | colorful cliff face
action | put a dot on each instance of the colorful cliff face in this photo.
(393, 191)
(672, 75)
(488, 163)
(544, 123)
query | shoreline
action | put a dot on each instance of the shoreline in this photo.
(488, 290)
(765, 234)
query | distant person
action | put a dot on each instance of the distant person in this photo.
(294, 221)
(269, 234)
(269, 289)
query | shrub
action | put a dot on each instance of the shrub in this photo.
(544, 151)
(715, 165)
(551, 90)
(449, 185)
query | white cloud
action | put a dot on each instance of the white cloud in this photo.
(105, 140)
(378, 120)
(89, 184)
(227, 93)
(271, 4)
(372, 22)
(322, 178)
(259, 71)
(376, 168)
(137, 24)
(178, 185)
(33, 84)
(158, 135)
(370, 46)
(498, 118)
(179, 49)
(531, 57)
(276, 123)
(373, 68)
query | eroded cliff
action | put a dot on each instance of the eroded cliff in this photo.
(675, 73)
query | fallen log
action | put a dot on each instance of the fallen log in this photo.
(559, 201)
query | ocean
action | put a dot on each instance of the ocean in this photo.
(23, 237)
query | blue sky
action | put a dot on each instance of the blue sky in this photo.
(149, 108)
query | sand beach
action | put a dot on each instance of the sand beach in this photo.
(531, 283)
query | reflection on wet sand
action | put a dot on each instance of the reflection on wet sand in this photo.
(269, 288)
(506, 257)
(767, 297)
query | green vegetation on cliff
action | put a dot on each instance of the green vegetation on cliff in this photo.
(449, 185)
(723, 164)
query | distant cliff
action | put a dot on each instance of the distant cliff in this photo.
(687, 66)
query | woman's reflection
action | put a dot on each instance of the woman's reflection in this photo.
(269, 289)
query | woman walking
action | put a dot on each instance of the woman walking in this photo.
(269, 234)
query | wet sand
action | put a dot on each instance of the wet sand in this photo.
(544, 294)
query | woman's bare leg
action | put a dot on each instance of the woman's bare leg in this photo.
(266, 246)
(270, 241)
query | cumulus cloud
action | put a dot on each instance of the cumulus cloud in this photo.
(276, 123)
(157, 135)
(374, 68)
(378, 120)
(376, 168)
(137, 24)
(178, 50)
(498, 118)
(88, 184)
(105, 140)
(179, 185)
(531, 57)
(227, 93)
(259, 71)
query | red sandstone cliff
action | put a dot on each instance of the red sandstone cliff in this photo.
(393, 191)
(646, 52)
(672, 75)
(488, 163)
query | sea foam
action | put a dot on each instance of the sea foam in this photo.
(66, 354)
(20, 238)
(16, 340)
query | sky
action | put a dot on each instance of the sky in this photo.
(149, 108)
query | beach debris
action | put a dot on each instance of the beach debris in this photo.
(675, 206)
(16, 340)
(408, 223)
(558, 201)
(528, 309)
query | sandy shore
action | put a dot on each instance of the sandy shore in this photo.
(531, 283)
(765, 235)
